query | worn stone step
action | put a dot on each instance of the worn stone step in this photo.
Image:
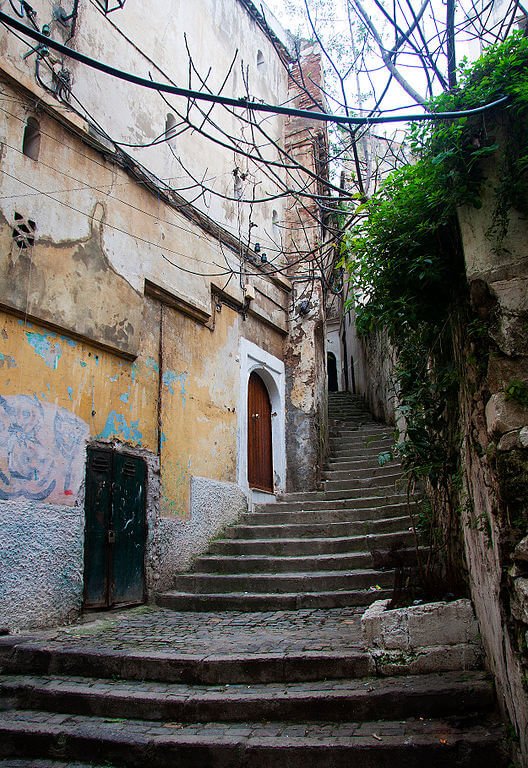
(317, 530)
(353, 462)
(359, 439)
(351, 472)
(386, 481)
(361, 452)
(436, 743)
(244, 563)
(320, 515)
(243, 667)
(306, 502)
(386, 490)
(44, 763)
(249, 601)
(313, 546)
(266, 583)
(432, 695)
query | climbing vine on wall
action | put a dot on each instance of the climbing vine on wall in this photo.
(405, 260)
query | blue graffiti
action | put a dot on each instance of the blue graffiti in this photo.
(50, 351)
(170, 378)
(39, 446)
(117, 426)
(29, 465)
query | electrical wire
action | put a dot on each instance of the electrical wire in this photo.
(241, 103)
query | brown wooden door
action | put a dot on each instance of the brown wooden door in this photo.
(260, 461)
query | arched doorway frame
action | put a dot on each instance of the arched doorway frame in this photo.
(271, 371)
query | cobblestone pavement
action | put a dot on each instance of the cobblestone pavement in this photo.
(156, 629)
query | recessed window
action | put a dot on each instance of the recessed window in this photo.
(171, 128)
(31, 140)
(275, 227)
(260, 59)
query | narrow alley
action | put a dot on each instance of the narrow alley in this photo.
(263, 660)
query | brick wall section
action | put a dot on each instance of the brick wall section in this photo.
(306, 141)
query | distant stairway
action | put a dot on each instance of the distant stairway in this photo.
(323, 549)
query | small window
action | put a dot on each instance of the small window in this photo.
(260, 59)
(171, 129)
(31, 140)
(275, 227)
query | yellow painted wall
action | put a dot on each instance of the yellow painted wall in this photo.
(199, 404)
(113, 397)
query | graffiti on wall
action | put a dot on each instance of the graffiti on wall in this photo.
(42, 450)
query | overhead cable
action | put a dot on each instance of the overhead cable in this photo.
(241, 103)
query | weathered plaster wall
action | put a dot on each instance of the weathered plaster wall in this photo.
(114, 398)
(495, 454)
(121, 324)
(163, 40)
(41, 565)
(213, 506)
(371, 370)
(198, 407)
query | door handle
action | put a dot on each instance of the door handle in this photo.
(111, 537)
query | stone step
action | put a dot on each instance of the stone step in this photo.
(353, 462)
(432, 695)
(44, 763)
(384, 491)
(309, 501)
(200, 668)
(362, 438)
(272, 564)
(361, 452)
(362, 473)
(436, 743)
(319, 515)
(282, 583)
(317, 530)
(345, 431)
(312, 546)
(249, 601)
(386, 481)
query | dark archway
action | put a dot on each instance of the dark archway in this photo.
(331, 365)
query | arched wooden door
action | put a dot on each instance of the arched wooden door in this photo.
(260, 459)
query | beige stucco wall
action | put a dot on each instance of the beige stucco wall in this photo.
(121, 320)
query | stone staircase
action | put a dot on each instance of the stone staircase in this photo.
(217, 683)
(312, 550)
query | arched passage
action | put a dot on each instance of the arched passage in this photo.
(331, 365)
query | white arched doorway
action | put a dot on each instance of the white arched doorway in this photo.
(270, 371)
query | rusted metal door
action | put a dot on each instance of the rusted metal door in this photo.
(260, 460)
(115, 534)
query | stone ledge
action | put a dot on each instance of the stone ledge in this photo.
(422, 638)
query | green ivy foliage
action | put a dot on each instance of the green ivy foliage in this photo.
(404, 256)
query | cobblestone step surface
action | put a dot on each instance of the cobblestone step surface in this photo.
(271, 601)
(271, 676)
(437, 743)
(343, 700)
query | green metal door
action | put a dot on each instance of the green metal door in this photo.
(115, 529)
